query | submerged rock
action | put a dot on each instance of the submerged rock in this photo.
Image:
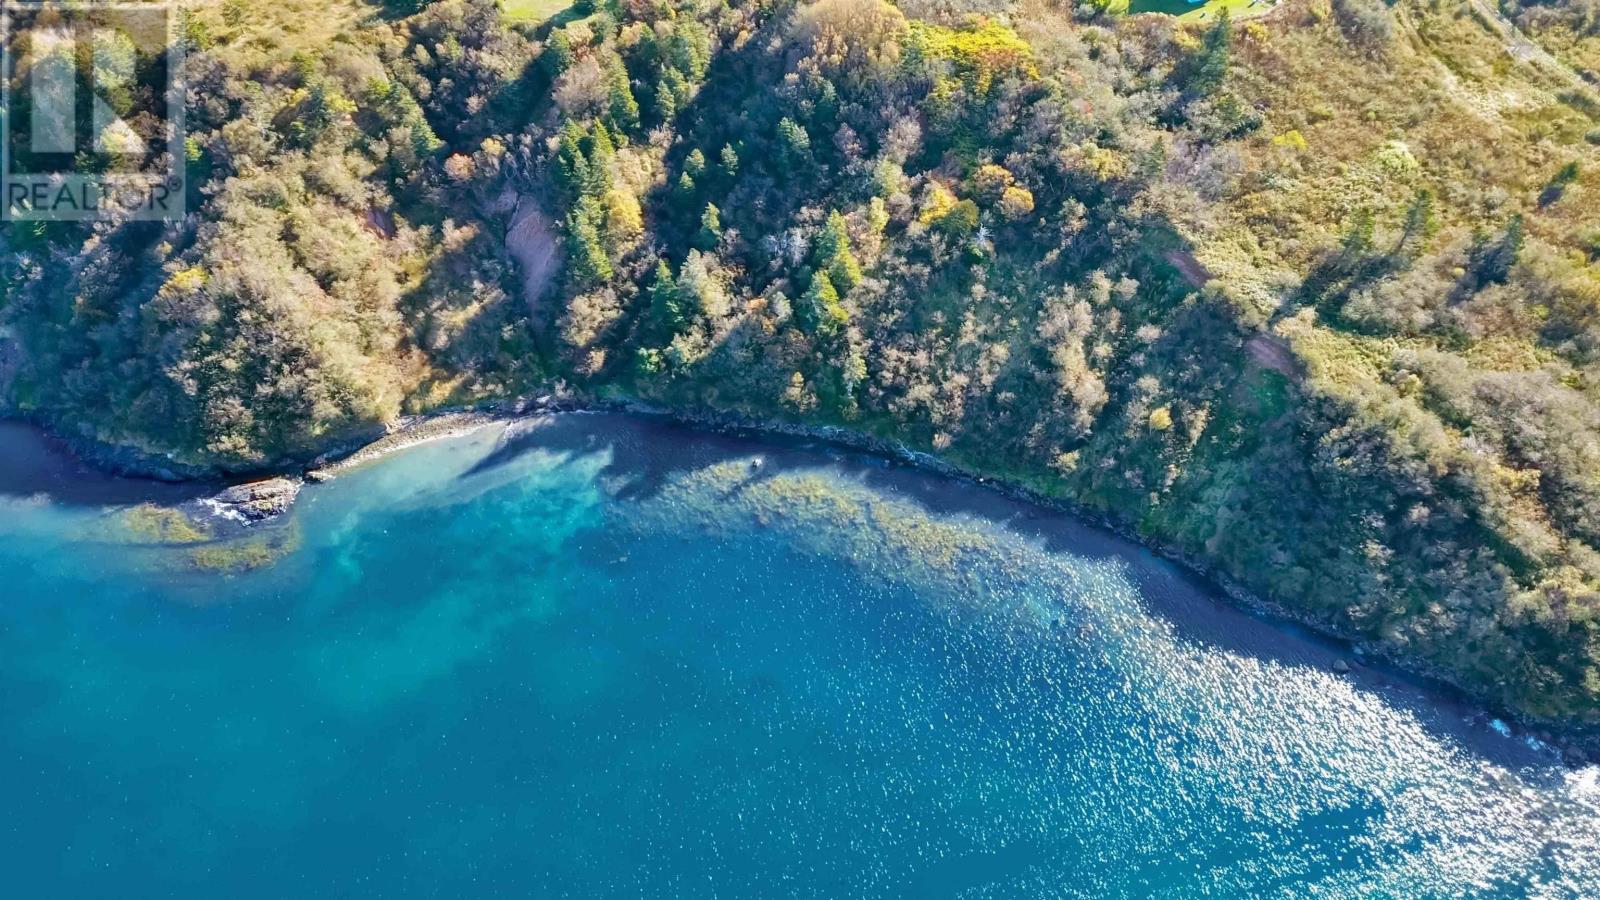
(150, 523)
(245, 554)
(257, 501)
(1341, 667)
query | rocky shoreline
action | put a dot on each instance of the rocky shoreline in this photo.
(253, 501)
(408, 432)
(261, 500)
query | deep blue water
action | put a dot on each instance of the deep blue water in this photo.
(600, 657)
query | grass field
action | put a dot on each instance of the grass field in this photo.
(260, 33)
(1239, 9)
(532, 11)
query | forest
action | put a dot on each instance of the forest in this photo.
(1310, 292)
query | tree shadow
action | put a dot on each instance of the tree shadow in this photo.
(646, 455)
(34, 464)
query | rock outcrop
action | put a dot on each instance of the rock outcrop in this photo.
(257, 501)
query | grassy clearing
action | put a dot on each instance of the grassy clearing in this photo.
(260, 33)
(532, 12)
(1190, 12)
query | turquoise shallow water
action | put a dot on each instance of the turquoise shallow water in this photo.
(600, 657)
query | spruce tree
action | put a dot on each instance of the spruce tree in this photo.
(794, 144)
(666, 102)
(1210, 69)
(557, 57)
(590, 265)
(666, 316)
(833, 254)
(572, 166)
(695, 163)
(819, 310)
(710, 227)
(624, 109)
(681, 88)
(685, 191)
(602, 149)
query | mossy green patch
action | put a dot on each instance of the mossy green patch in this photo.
(243, 555)
(149, 523)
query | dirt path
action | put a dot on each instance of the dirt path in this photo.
(1524, 50)
(1189, 267)
(1271, 352)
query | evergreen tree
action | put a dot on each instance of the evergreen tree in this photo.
(681, 88)
(684, 192)
(666, 316)
(572, 167)
(688, 47)
(602, 150)
(961, 222)
(695, 163)
(850, 374)
(670, 95)
(1209, 68)
(819, 310)
(794, 143)
(624, 109)
(323, 108)
(666, 102)
(558, 55)
(590, 265)
(729, 161)
(710, 227)
(833, 255)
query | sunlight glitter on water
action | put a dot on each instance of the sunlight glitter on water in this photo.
(604, 657)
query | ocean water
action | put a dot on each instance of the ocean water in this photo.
(593, 656)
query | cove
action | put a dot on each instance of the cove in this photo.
(593, 655)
